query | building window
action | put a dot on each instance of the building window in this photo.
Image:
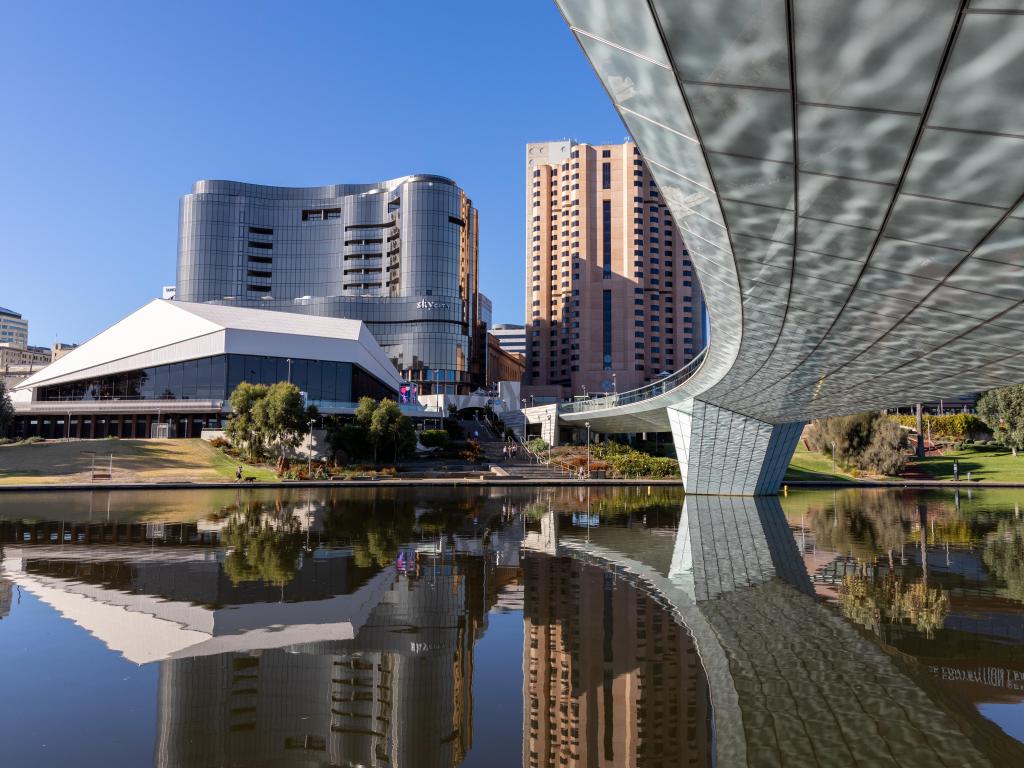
(260, 244)
(260, 231)
(606, 175)
(607, 329)
(606, 263)
(606, 153)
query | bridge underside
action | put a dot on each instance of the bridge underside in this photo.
(722, 452)
(846, 178)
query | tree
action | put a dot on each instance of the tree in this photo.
(390, 427)
(242, 428)
(1003, 410)
(884, 453)
(866, 441)
(267, 417)
(6, 409)
(282, 417)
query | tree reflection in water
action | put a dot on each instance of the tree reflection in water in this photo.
(263, 544)
(881, 590)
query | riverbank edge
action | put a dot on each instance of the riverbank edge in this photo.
(439, 482)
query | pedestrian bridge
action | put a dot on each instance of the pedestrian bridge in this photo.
(791, 682)
(847, 178)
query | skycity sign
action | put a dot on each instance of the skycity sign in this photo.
(429, 305)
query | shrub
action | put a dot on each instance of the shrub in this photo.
(471, 451)
(31, 440)
(220, 442)
(537, 445)
(434, 438)
(864, 441)
(7, 440)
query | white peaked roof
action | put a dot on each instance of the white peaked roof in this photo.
(163, 332)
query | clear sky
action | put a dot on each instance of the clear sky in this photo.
(109, 111)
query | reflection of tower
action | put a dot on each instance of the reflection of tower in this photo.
(397, 695)
(5, 597)
(609, 678)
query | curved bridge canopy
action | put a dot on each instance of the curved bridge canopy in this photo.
(848, 177)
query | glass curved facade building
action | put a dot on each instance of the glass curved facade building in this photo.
(400, 255)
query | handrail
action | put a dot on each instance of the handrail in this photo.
(641, 393)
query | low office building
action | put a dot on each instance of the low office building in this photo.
(12, 354)
(511, 337)
(501, 364)
(170, 367)
(13, 328)
(400, 255)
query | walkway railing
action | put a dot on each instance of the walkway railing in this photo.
(645, 392)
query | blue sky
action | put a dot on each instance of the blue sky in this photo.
(109, 111)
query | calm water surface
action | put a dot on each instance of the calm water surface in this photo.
(511, 627)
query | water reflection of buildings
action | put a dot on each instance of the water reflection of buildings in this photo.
(609, 677)
(398, 694)
(340, 665)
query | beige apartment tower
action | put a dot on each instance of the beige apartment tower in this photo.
(611, 298)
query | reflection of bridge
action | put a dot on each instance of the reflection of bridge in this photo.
(846, 178)
(791, 682)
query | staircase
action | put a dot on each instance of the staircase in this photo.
(516, 421)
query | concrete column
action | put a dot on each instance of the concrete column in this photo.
(723, 452)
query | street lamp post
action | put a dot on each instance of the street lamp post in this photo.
(615, 384)
(587, 425)
(289, 361)
(309, 463)
(551, 437)
(833, 457)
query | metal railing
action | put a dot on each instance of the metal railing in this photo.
(645, 392)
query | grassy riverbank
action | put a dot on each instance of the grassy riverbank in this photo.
(134, 461)
(809, 465)
(995, 464)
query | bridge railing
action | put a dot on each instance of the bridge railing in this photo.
(645, 392)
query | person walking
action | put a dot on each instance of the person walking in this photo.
(238, 473)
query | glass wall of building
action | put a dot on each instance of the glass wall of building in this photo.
(214, 378)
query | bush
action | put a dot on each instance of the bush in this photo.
(884, 452)
(864, 441)
(454, 429)
(220, 442)
(31, 440)
(955, 425)
(537, 445)
(471, 451)
(434, 438)
(7, 440)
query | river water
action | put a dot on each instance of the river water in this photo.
(511, 627)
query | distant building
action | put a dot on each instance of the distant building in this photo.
(168, 293)
(484, 310)
(175, 364)
(501, 364)
(511, 337)
(13, 328)
(61, 348)
(400, 255)
(611, 296)
(11, 356)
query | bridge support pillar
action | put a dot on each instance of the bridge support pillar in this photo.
(723, 452)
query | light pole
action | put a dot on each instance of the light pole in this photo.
(551, 437)
(615, 384)
(289, 361)
(309, 462)
(587, 425)
(833, 457)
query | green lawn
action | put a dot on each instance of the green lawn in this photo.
(134, 461)
(809, 465)
(983, 462)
